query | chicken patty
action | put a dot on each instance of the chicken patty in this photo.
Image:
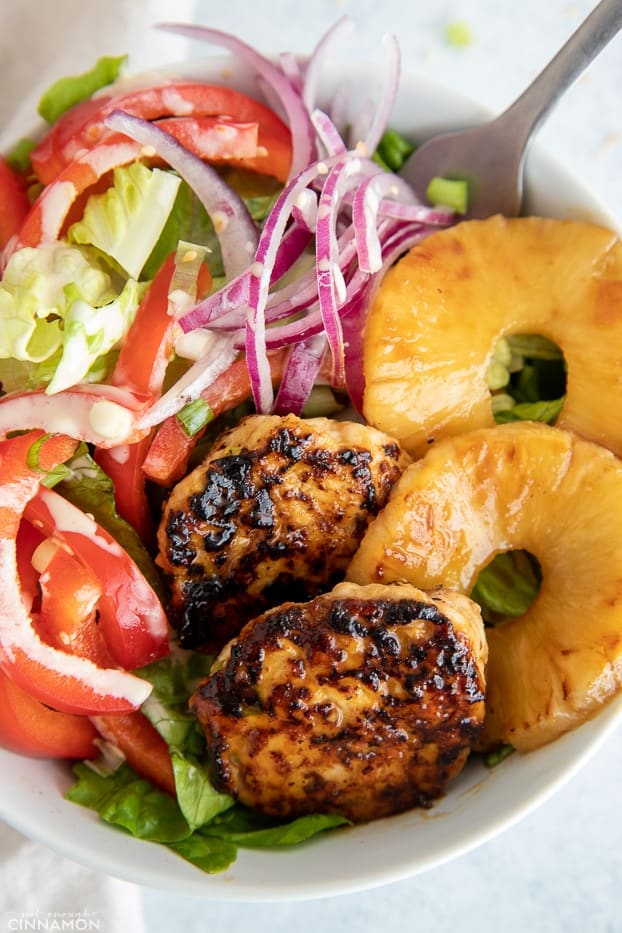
(363, 702)
(274, 513)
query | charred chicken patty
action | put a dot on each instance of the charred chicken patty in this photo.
(274, 513)
(363, 702)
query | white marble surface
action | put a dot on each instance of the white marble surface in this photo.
(561, 868)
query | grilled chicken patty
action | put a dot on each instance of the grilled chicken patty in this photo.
(363, 702)
(274, 513)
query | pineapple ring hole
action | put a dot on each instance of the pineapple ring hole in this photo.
(507, 586)
(527, 378)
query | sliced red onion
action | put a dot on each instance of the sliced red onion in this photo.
(371, 122)
(290, 66)
(328, 133)
(303, 137)
(365, 209)
(233, 224)
(343, 177)
(260, 281)
(300, 374)
(200, 375)
(103, 414)
(227, 307)
(319, 57)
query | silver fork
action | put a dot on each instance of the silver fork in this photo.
(491, 157)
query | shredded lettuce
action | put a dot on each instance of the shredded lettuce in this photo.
(527, 379)
(60, 311)
(126, 221)
(507, 587)
(68, 91)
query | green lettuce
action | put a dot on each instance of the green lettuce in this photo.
(68, 91)
(126, 221)
(61, 314)
(507, 587)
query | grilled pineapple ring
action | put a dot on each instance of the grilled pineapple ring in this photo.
(518, 486)
(438, 314)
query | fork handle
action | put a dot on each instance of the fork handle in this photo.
(526, 113)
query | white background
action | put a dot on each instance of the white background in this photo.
(561, 868)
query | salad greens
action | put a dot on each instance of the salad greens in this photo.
(50, 302)
(68, 91)
(126, 220)
(64, 309)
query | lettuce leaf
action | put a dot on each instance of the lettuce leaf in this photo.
(60, 311)
(126, 221)
(68, 91)
(507, 586)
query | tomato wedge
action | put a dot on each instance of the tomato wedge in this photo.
(142, 746)
(31, 728)
(14, 203)
(168, 455)
(132, 619)
(75, 131)
(69, 593)
(69, 684)
(45, 219)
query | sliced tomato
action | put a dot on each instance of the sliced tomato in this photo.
(31, 728)
(68, 620)
(14, 203)
(167, 459)
(69, 684)
(148, 344)
(45, 219)
(132, 619)
(70, 592)
(142, 745)
(124, 467)
(75, 131)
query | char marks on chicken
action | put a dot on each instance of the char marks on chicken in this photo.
(274, 513)
(362, 702)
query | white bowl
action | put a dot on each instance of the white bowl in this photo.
(480, 804)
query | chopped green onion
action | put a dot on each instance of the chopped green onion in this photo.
(194, 416)
(497, 755)
(393, 150)
(50, 477)
(449, 192)
(458, 34)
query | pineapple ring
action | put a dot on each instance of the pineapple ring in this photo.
(437, 316)
(518, 486)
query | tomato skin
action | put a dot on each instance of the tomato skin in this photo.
(68, 621)
(142, 745)
(75, 131)
(167, 459)
(14, 203)
(69, 684)
(45, 219)
(132, 619)
(31, 728)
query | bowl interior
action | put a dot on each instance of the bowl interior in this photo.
(481, 802)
